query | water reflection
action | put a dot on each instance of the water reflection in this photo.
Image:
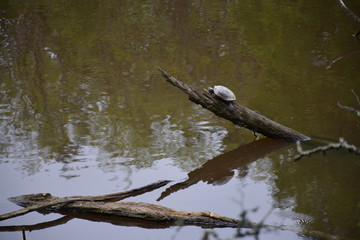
(111, 145)
(321, 191)
(39, 226)
(79, 88)
(220, 170)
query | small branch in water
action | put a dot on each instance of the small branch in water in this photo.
(351, 109)
(342, 144)
(341, 56)
(356, 96)
(350, 14)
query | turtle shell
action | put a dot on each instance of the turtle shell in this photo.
(224, 93)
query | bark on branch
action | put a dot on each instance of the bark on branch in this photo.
(31, 202)
(137, 214)
(132, 210)
(240, 115)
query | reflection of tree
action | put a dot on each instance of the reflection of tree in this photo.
(87, 79)
(36, 122)
(220, 170)
(329, 205)
(70, 98)
(78, 83)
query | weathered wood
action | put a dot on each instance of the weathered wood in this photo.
(133, 210)
(240, 115)
(33, 206)
(137, 213)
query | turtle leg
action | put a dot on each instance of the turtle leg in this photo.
(231, 106)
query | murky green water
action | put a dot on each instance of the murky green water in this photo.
(83, 110)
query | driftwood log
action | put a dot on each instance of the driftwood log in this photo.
(132, 210)
(240, 115)
(39, 198)
(139, 214)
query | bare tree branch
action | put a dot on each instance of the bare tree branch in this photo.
(342, 144)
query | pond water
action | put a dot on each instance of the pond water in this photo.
(84, 111)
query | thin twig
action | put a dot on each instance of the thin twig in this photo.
(349, 109)
(348, 12)
(341, 56)
(342, 144)
(23, 234)
(352, 15)
(356, 96)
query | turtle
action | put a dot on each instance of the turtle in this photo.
(224, 94)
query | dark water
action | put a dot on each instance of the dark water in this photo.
(83, 110)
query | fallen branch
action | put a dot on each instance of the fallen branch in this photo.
(134, 214)
(32, 201)
(139, 214)
(239, 115)
(133, 210)
(342, 144)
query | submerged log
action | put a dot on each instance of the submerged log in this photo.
(131, 210)
(239, 115)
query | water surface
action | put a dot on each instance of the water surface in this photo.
(83, 110)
